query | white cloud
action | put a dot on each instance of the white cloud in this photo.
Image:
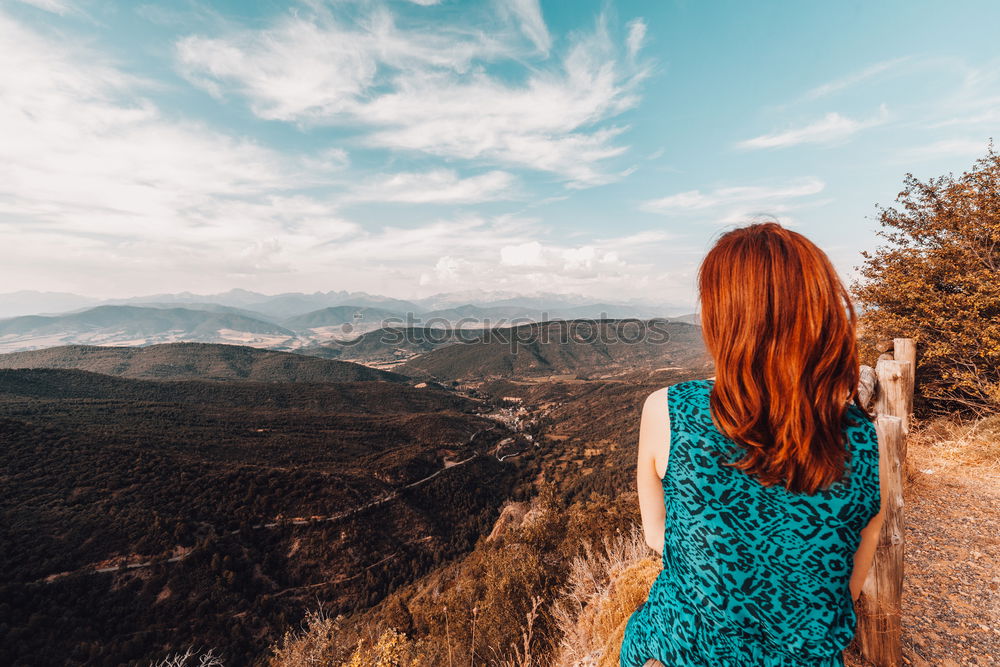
(636, 36)
(966, 95)
(500, 253)
(945, 148)
(293, 70)
(742, 196)
(853, 79)
(436, 186)
(60, 7)
(745, 216)
(312, 68)
(447, 270)
(562, 261)
(541, 125)
(429, 90)
(524, 254)
(94, 169)
(528, 14)
(989, 117)
(743, 204)
(615, 256)
(973, 102)
(639, 239)
(832, 128)
(105, 193)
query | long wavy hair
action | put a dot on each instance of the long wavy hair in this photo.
(781, 328)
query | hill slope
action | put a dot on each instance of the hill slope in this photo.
(137, 325)
(138, 516)
(208, 361)
(337, 315)
(580, 347)
(391, 344)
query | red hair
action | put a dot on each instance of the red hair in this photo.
(780, 325)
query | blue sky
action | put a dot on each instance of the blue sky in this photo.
(415, 147)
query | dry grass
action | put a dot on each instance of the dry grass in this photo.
(948, 443)
(604, 587)
(523, 655)
(965, 442)
(190, 658)
(321, 642)
(315, 644)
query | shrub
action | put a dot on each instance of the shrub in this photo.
(605, 585)
(937, 280)
(493, 606)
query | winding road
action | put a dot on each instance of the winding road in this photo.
(296, 521)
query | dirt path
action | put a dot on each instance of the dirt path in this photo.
(951, 586)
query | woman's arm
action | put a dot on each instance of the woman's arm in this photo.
(654, 439)
(865, 554)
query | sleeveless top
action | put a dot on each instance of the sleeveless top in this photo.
(752, 576)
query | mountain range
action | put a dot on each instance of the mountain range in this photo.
(289, 304)
(288, 321)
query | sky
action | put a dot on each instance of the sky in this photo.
(412, 147)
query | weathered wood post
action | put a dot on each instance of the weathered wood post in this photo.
(879, 619)
(895, 386)
(905, 350)
(866, 385)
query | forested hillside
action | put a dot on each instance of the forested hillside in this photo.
(194, 361)
(137, 517)
(575, 348)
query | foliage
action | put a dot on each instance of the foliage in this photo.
(393, 649)
(206, 659)
(605, 585)
(937, 280)
(321, 642)
(494, 606)
(194, 361)
(957, 441)
(579, 348)
(100, 470)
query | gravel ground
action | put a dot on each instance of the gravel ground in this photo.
(951, 585)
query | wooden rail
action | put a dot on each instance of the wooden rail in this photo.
(890, 385)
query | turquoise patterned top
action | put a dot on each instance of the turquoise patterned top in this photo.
(752, 576)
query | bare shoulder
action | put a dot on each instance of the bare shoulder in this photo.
(656, 402)
(655, 414)
(654, 430)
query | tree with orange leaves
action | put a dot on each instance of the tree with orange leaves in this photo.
(937, 279)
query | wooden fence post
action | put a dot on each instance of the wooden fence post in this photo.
(866, 386)
(895, 381)
(879, 619)
(905, 350)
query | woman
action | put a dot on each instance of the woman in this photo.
(768, 509)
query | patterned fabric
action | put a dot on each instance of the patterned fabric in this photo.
(752, 576)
